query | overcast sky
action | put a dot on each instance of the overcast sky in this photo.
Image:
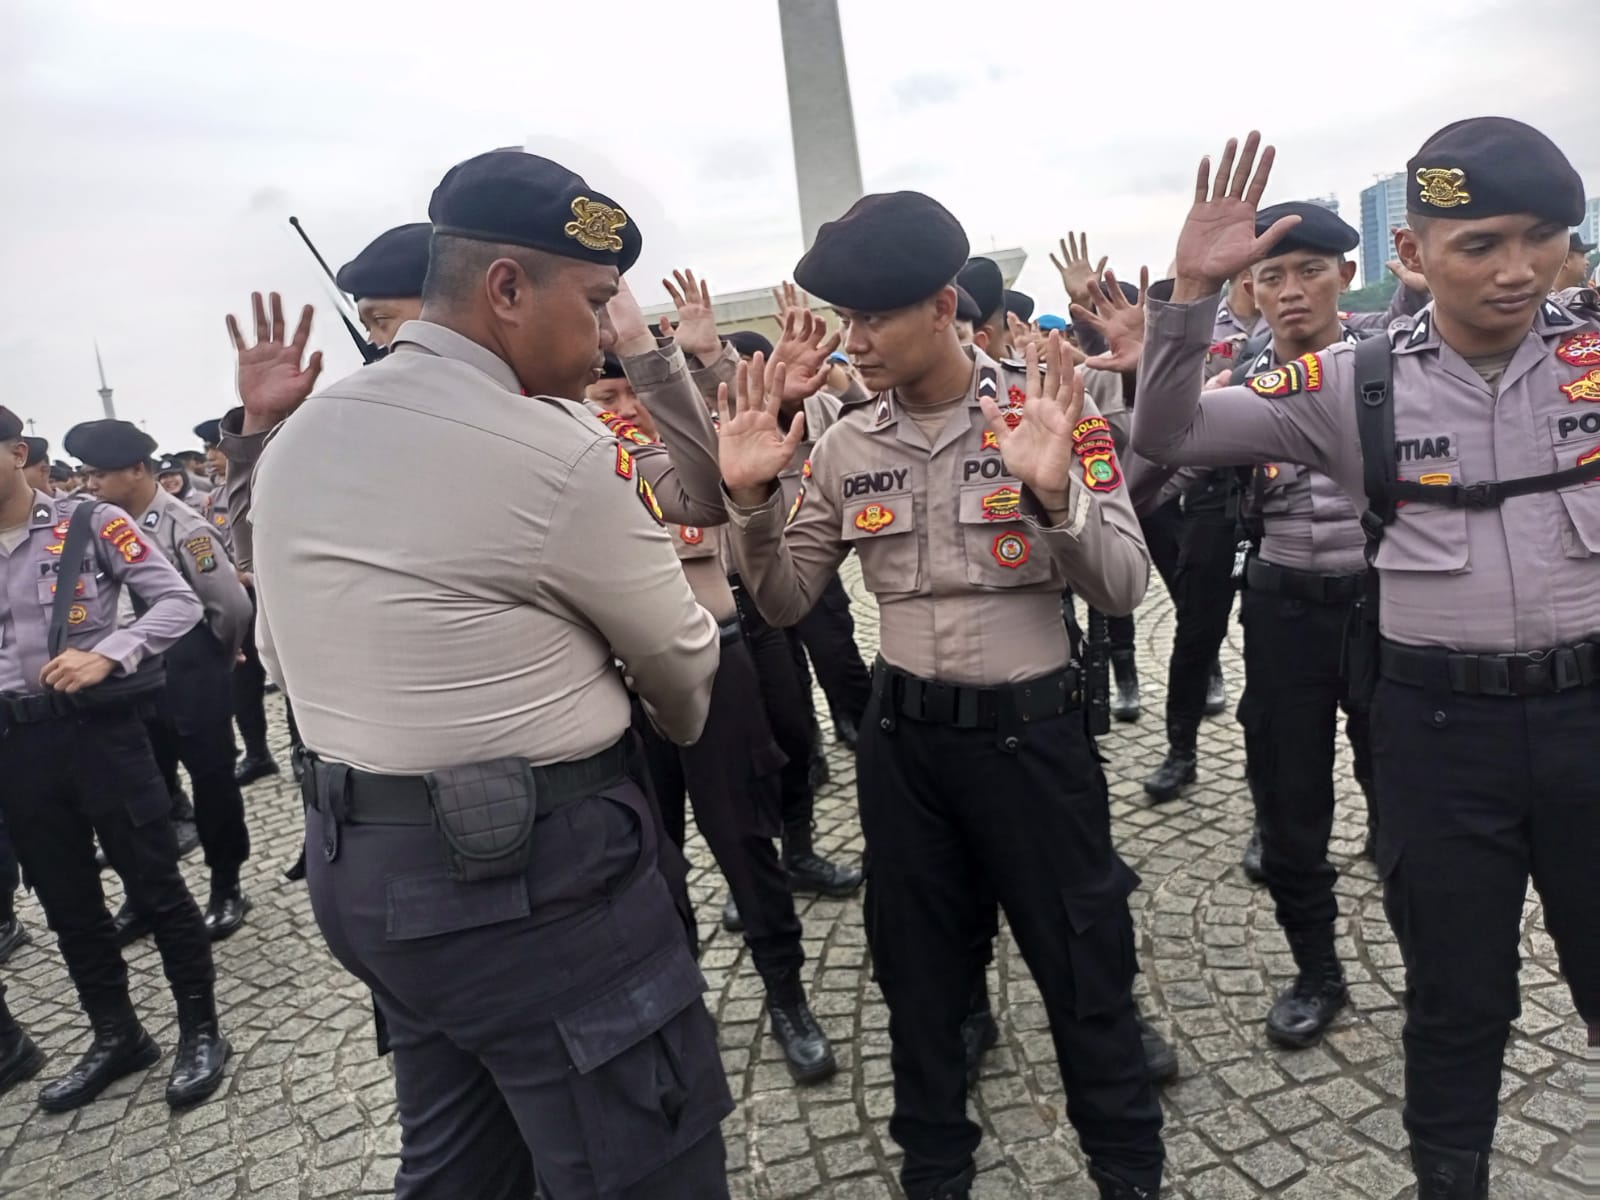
(155, 150)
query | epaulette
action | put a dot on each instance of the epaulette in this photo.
(623, 428)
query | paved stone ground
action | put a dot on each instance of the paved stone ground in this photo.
(308, 1109)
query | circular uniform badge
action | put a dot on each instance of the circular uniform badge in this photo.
(1011, 550)
(77, 615)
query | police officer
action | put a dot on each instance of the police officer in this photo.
(385, 279)
(1484, 709)
(37, 470)
(193, 721)
(172, 475)
(535, 981)
(77, 766)
(1575, 269)
(732, 773)
(974, 696)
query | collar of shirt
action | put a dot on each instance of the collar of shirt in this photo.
(447, 343)
(886, 409)
(1268, 358)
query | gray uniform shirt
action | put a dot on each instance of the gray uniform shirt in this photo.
(419, 622)
(1521, 577)
(187, 541)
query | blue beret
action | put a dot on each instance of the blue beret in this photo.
(109, 445)
(890, 250)
(1493, 167)
(1020, 303)
(1319, 231)
(524, 200)
(393, 266)
(1049, 321)
(38, 450)
(747, 342)
(984, 283)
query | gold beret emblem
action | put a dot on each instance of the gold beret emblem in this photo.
(597, 225)
(1443, 187)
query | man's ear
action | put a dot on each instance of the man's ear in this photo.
(1347, 271)
(1408, 248)
(980, 339)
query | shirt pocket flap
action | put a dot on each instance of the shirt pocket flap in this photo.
(1426, 537)
(636, 1008)
(991, 503)
(88, 588)
(874, 519)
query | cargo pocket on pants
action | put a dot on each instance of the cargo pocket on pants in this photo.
(646, 1078)
(1100, 944)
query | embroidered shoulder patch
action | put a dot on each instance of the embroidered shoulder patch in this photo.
(1304, 374)
(624, 462)
(647, 497)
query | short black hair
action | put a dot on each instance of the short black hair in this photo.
(456, 265)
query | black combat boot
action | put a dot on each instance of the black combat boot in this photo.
(845, 731)
(257, 764)
(129, 925)
(1301, 1014)
(980, 1033)
(1161, 1060)
(20, 1059)
(13, 936)
(1125, 700)
(202, 1050)
(1178, 770)
(806, 1049)
(810, 872)
(1251, 862)
(226, 909)
(959, 1188)
(1112, 1188)
(731, 920)
(1216, 690)
(120, 1047)
(1449, 1174)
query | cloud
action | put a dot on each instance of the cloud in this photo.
(927, 89)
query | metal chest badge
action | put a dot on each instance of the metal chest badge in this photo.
(874, 517)
(1443, 187)
(1585, 387)
(596, 225)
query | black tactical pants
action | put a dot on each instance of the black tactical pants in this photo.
(10, 874)
(552, 1016)
(1203, 597)
(789, 714)
(248, 683)
(1475, 795)
(68, 781)
(192, 726)
(828, 634)
(731, 776)
(949, 815)
(1293, 694)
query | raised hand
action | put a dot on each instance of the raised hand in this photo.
(271, 381)
(751, 446)
(804, 348)
(1076, 273)
(1120, 323)
(787, 297)
(632, 331)
(1040, 450)
(1219, 236)
(697, 323)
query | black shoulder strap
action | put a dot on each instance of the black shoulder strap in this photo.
(1374, 364)
(78, 533)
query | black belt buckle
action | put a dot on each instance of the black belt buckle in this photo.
(1494, 675)
(1567, 668)
(938, 702)
(1483, 494)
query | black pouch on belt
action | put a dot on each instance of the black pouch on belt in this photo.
(484, 813)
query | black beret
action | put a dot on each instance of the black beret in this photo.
(109, 445)
(10, 425)
(984, 283)
(966, 307)
(890, 250)
(209, 432)
(38, 448)
(60, 472)
(524, 200)
(1492, 167)
(1579, 246)
(1020, 303)
(185, 456)
(613, 367)
(170, 464)
(1319, 231)
(392, 267)
(748, 342)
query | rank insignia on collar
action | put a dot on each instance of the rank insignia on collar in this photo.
(1420, 333)
(1585, 387)
(1002, 504)
(874, 517)
(881, 413)
(1443, 187)
(596, 225)
(1263, 361)
(991, 440)
(1010, 550)
(805, 469)
(41, 514)
(988, 383)
(1581, 349)
(1555, 315)
(151, 519)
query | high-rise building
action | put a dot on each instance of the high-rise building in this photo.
(1383, 208)
(1589, 231)
(1331, 203)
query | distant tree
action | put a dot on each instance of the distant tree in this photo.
(1372, 298)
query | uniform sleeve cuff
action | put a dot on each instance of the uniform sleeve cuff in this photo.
(123, 649)
(654, 367)
(1193, 321)
(242, 448)
(763, 516)
(1066, 524)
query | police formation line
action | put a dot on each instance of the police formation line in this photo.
(495, 815)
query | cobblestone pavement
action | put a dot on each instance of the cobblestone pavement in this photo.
(308, 1109)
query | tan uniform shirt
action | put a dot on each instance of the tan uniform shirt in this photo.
(429, 622)
(186, 540)
(967, 574)
(1521, 577)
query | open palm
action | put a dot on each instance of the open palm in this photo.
(752, 448)
(1040, 450)
(1219, 236)
(272, 382)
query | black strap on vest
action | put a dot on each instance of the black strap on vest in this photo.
(79, 530)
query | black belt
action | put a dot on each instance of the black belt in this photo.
(1537, 673)
(961, 707)
(370, 799)
(1262, 576)
(730, 631)
(34, 708)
